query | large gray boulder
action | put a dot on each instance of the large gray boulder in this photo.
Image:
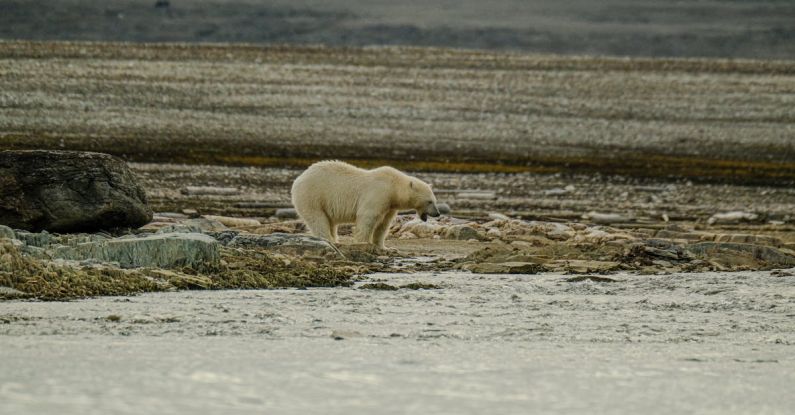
(69, 191)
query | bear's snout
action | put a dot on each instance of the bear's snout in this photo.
(432, 210)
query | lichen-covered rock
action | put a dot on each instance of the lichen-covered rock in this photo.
(605, 218)
(743, 238)
(6, 232)
(420, 229)
(582, 266)
(551, 230)
(462, 233)
(37, 239)
(506, 268)
(233, 222)
(688, 236)
(284, 243)
(598, 236)
(69, 191)
(198, 225)
(732, 217)
(769, 256)
(169, 250)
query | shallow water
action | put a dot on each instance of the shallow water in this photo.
(706, 343)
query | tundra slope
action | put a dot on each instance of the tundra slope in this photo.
(415, 108)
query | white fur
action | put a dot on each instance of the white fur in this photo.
(329, 193)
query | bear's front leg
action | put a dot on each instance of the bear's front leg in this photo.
(381, 231)
(366, 223)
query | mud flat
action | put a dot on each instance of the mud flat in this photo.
(700, 342)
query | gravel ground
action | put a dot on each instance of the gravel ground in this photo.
(682, 343)
(259, 191)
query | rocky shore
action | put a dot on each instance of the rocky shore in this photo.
(195, 250)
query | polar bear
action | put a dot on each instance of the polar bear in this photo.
(329, 193)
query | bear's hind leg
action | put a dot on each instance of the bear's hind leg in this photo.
(334, 237)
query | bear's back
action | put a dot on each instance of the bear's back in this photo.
(335, 166)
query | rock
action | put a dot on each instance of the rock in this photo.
(408, 235)
(233, 222)
(498, 216)
(191, 213)
(550, 230)
(6, 232)
(69, 191)
(749, 239)
(555, 192)
(259, 205)
(505, 268)
(420, 228)
(210, 191)
(771, 256)
(285, 243)
(662, 253)
(593, 278)
(732, 217)
(224, 237)
(381, 286)
(286, 213)
(198, 225)
(169, 216)
(477, 194)
(37, 239)
(170, 250)
(690, 236)
(444, 208)
(606, 218)
(494, 232)
(654, 249)
(582, 266)
(553, 230)
(598, 236)
(461, 233)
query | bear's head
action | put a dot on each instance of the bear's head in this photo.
(422, 199)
